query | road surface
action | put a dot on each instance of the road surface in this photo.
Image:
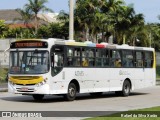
(108, 102)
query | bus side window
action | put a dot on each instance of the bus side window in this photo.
(127, 58)
(85, 62)
(84, 57)
(77, 57)
(70, 56)
(115, 58)
(148, 59)
(139, 59)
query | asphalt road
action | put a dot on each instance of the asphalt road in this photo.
(108, 102)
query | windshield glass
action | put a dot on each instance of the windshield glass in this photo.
(29, 62)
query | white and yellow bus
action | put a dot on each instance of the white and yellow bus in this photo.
(65, 67)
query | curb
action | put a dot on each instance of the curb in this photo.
(157, 82)
(3, 89)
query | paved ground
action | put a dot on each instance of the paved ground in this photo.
(3, 87)
(143, 98)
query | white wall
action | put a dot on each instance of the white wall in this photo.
(4, 55)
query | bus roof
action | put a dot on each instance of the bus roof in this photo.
(100, 45)
(87, 44)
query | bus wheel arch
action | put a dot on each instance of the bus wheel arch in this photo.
(73, 88)
(77, 84)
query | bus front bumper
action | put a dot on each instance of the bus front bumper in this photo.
(28, 89)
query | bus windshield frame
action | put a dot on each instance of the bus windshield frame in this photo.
(29, 62)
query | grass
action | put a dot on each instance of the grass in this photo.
(3, 73)
(141, 114)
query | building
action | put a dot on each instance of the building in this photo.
(11, 15)
(4, 52)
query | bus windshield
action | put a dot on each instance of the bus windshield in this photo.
(29, 62)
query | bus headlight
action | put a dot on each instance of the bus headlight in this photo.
(42, 83)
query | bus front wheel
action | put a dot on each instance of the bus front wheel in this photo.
(72, 90)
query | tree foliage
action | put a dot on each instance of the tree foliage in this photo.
(36, 6)
(3, 29)
(95, 20)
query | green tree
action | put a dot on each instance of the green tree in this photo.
(53, 30)
(26, 16)
(3, 29)
(154, 35)
(85, 18)
(35, 6)
(63, 16)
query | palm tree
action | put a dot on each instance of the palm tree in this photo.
(111, 9)
(123, 22)
(26, 16)
(137, 27)
(85, 16)
(63, 16)
(35, 6)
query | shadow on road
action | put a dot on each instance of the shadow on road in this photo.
(54, 98)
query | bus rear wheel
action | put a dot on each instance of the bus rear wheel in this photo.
(38, 97)
(72, 90)
(125, 89)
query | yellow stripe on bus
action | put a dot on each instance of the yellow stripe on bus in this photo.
(154, 63)
(26, 80)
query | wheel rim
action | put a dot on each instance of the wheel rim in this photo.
(72, 91)
(126, 88)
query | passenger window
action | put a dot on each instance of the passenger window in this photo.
(139, 59)
(73, 57)
(102, 58)
(115, 58)
(148, 59)
(128, 60)
(77, 54)
(88, 57)
(70, 52)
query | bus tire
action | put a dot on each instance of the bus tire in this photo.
(72, 90)
(38, 97)
(126, 88)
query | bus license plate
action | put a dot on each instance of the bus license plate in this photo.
(24, 89)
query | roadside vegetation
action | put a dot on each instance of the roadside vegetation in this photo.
(140, 114)
(95, 20)
(3, 75)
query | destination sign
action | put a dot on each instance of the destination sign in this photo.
(29, 44)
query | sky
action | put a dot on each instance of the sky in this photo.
(150, 8)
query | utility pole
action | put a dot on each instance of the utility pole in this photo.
(150, 37)
(71, 20)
